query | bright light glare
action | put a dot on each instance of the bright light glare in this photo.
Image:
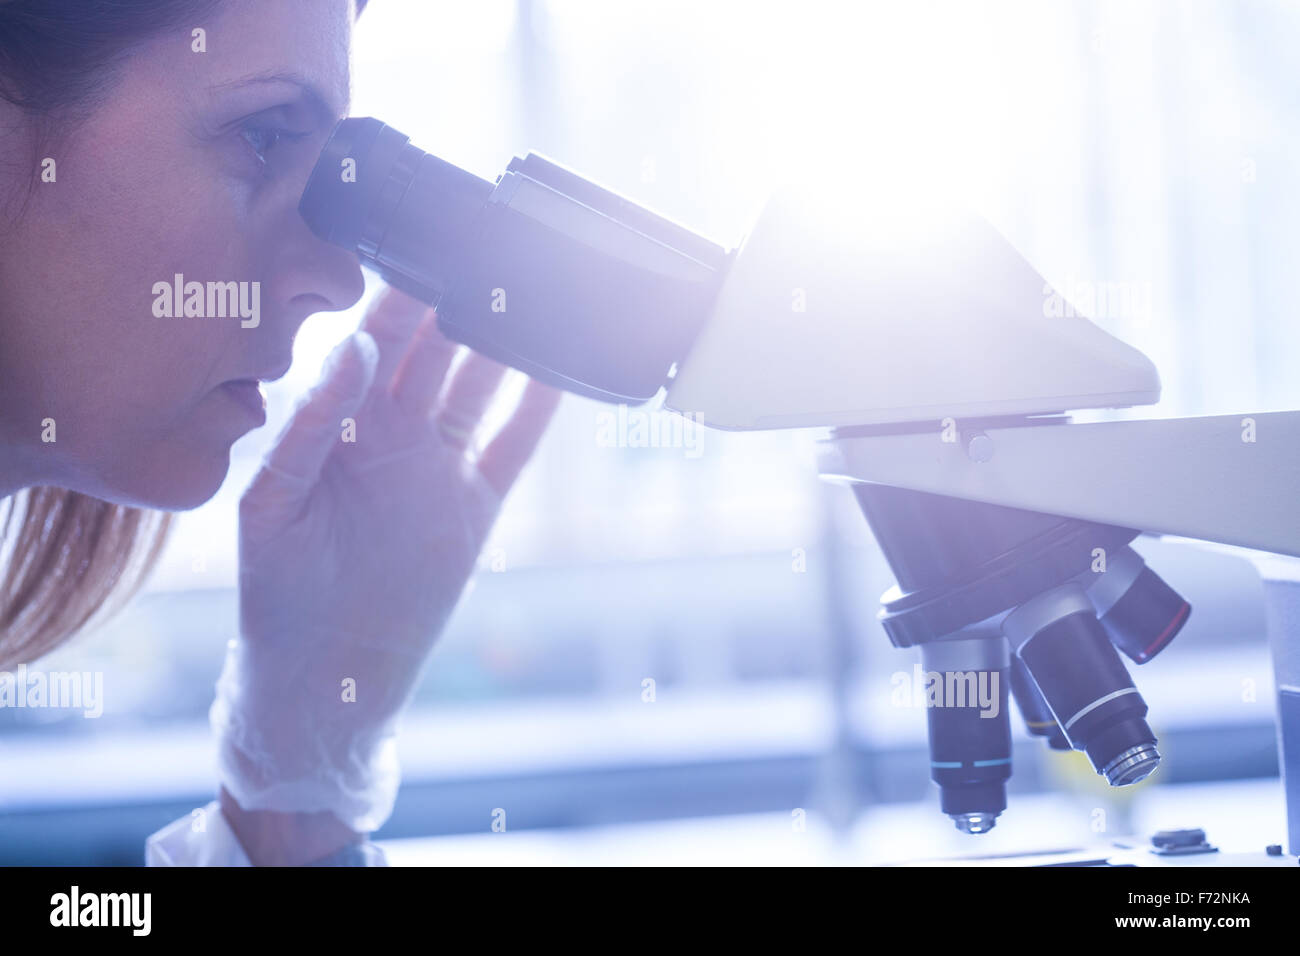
(875, 92)
(421, 28)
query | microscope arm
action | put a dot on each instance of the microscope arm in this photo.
(1216, 478)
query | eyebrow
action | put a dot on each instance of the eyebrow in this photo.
(315, 99)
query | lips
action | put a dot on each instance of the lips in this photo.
(248, 393)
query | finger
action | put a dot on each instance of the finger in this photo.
(392, 320)
(470, 392)
(299, 453)
(505, 456)
(420, 375)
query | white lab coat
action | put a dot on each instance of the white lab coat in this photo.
(201, 839)
(205, 838)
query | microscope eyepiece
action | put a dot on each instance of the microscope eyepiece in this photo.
(542, 270)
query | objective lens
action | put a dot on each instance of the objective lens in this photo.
(1084, 682)
(1139, 612)
(1037, 715)
(970, 732)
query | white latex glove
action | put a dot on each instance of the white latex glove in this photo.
(352, 557)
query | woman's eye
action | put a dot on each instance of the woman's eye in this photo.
(262, 139)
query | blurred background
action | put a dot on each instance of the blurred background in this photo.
(670, 654)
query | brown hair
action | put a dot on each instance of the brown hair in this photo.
(66, 554)
(69, 553)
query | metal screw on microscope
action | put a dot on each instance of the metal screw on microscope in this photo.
(980, 448)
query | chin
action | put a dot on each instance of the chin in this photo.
(176, 484)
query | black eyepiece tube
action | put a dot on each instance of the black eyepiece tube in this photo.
(543, 270)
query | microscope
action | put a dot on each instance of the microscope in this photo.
(915, 334)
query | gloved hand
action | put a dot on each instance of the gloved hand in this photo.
(353, 555)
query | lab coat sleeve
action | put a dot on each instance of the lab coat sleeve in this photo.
(205, 838)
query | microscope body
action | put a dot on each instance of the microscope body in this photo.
(919, 335)
(857, 303)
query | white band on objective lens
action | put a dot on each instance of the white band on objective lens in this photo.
(1095, 704)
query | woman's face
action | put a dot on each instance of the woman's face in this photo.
(192, 166)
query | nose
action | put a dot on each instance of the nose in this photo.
(310, 275)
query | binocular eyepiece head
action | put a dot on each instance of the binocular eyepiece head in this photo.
(541, 270)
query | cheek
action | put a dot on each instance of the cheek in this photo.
(120, 219)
